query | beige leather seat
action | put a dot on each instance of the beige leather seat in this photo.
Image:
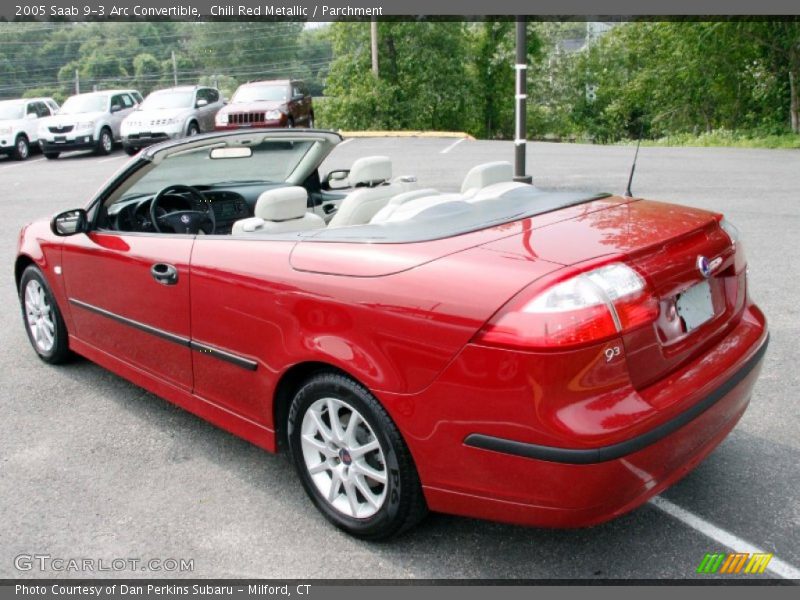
(280, 210)
(398, 200)
(485, 175)
(371, 177)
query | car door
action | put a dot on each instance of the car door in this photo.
(123, 303)
(31, 125)
(126, 104)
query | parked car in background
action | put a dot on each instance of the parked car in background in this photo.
(87, 122)
(276, 103)
(19, 124)
(170, 114)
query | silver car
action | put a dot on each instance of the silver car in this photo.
(170, 114)
(87, 122)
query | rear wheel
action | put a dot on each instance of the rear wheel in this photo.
(130, 151)
(22, 149)
(52, 155)
(43, 322)
(105, 143)
(351, 459)
(311, 121)
(290, 123)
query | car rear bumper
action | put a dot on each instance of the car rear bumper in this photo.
(85, 142)
(489, 467)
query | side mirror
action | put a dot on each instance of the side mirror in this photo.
(115, 108)
(70, 222)
(201, 103)
(31, 116)
(337, 179)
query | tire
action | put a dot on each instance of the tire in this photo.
(310, 124)
(290, 123)
(42, 318)
(22, 148)
(192, 130)
(52, 155)
(105, 143)
(397, 503)
(130, 151)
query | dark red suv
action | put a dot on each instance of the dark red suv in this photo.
(276, 103)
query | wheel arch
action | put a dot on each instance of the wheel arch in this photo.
(23, 262)
(288, 385)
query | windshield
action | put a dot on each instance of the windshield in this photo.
(270, 162)
(159, 100)
(84, 104)
(11, 110)
(258, 93)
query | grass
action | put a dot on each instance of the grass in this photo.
(725, 138)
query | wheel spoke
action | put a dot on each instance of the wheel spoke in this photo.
(335, 482)
(320, 447)
(360, 451)
(363, 468)
(336, 425)
(362, 486)
(319, 468)
(350, 430)
(352, 497)
(323, 430)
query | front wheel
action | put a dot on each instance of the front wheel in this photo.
(311, 122)
(351, 459)
(22, 149)
(105, 143)
(130, 151)
(193, 129)
(43, 322)
(52, 155)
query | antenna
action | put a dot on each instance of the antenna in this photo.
(628, 193)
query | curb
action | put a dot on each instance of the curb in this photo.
(405, 134)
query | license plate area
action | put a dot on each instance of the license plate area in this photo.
(695, 305)
(60, 139)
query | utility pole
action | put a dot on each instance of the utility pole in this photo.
(77, 82)
(174, 68)
(373, 36)
(521, 68)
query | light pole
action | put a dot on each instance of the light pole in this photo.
(521, 97)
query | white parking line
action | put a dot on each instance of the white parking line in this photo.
(21, 163)
(453, 145)
(776, 565)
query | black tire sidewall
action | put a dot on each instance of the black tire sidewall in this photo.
(60, 350)
(192, 127)
(101, 148)
(392, 514)
(16, 153)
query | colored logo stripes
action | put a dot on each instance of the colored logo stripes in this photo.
(739, 562)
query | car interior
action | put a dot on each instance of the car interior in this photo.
(293, 201)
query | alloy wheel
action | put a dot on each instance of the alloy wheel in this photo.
(22, 148)
(39, 314)
(344, 458)
(107, 142)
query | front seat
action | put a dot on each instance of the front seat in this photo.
(484, 175)
(279, 211)
(370, 176)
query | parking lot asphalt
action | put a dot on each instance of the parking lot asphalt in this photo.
(93, 466)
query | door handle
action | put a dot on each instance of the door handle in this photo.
(164, 273)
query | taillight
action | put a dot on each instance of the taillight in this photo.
(586, 308)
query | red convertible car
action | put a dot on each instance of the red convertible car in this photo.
(504, 352)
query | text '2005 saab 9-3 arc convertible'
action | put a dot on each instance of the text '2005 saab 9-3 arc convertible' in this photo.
(507, 353)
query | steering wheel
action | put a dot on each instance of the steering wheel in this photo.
(183, 221)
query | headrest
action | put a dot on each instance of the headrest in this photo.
(282, 204)
(370, 170)
(487, 174)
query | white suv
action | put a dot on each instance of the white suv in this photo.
(87, 122)
(19, 124)
(169, 114)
